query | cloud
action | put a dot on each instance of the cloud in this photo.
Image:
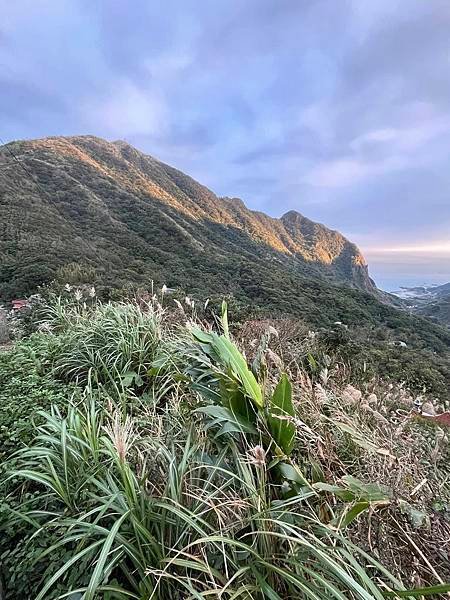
(128, 110)
(404, 139)
(337, 173)
(376, 136)
(378, 152)
(442, 247)
(401, 144)
(336, 109)
(348, 172)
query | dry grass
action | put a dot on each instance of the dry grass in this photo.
(390, 445)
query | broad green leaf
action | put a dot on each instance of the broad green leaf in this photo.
(206, 392)
(350, 515)
(371, 492)
(354, 489)
(312, 362)
(232, 427)
(292, 472)
(281, 415)
(232, 358)
(239, 404)
(224, 416)
(418, 518)
(221, 349)
(202, 336)
(128, 378)
(337, 490)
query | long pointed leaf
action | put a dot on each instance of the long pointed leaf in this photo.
(280, 419)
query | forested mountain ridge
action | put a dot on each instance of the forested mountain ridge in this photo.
(83, 199)
(122, 218)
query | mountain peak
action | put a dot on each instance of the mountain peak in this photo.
(147, 216)
(292, 215)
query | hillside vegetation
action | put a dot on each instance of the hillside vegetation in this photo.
(82, 210)
(150, 452)
(132, 218)
(432, 302)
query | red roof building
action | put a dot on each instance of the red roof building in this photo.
(18, 304)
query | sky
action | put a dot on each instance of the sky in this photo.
(337, 109)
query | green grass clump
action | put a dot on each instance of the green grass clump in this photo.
(108, 343)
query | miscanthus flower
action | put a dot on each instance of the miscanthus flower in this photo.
(78, 295)
(257, 456)
(92, 292)
(178, 303)
(122, 435)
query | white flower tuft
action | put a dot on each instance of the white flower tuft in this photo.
(257, 456)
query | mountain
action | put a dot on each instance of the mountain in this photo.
(441, 290)
(133, 218)
(438, 310)
(429, 301)
(81, 209)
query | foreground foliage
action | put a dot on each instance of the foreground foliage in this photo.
(160, 462)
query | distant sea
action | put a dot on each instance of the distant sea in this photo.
(392, 271)
(393, 283)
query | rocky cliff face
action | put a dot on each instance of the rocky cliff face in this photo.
(317, 243)
(131, 217)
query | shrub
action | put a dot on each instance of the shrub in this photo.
(26, 388)
(108, 343)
